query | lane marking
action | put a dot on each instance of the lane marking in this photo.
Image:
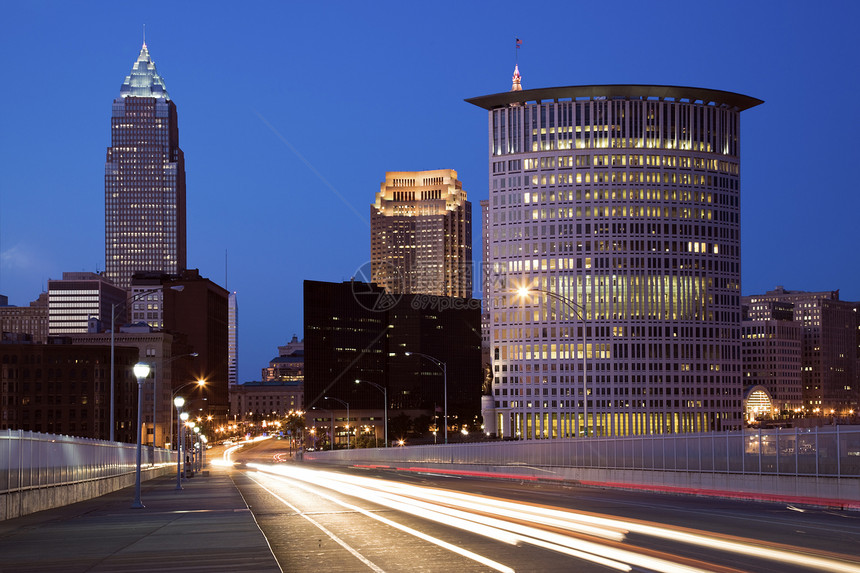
(415, 533)
(323, 528)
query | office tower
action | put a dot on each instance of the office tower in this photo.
(77, 298)
(288, 365)
(421, 234)
(232, 339)
(485, 283)
(147, 296)
(156, 349)
(26, 321)
(618, 208)
(198, 315)
(350, 336)
(144, 179)
(267, 400)
(829, 366)
(771, 359)
(65, 389)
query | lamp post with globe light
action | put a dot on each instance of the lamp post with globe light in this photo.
(159, 373)
(195, 440)
(184, 417)
(179, 401)
(579, 312)
(141, 371)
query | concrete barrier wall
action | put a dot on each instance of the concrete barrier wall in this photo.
(815, 466)
(23, 502)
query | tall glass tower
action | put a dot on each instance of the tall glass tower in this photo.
(614, 245)
(144, 179)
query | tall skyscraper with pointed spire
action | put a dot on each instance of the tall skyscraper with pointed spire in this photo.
(144, 179)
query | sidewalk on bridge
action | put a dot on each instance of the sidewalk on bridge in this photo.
(204, 527)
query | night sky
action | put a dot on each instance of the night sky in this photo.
(290, 114)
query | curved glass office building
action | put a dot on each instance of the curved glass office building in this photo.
(617, 208)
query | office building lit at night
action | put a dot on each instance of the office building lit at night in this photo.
(421, 234)
(617, 208)
(144, 180)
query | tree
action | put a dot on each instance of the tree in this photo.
(398, 426)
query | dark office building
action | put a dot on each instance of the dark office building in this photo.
(198, 314)
(65, 389)
(355, 330)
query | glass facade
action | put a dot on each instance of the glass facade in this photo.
(620, 212)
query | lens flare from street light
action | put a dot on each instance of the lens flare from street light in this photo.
(141, 370)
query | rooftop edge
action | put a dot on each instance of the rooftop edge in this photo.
(608, 91)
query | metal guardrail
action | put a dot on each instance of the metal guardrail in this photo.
(31, 460)
(818, 452)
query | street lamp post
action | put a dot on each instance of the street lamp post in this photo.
(579, 311)
(159, 372)
(179, 401)
(384, 391)
(195, 456)
(347, 419)
(444, 368)
(113, 307)
(184, 417)
(200, 384)
(141, 371)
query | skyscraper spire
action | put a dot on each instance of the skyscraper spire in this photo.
(517, 80)
(144, 81)
(144, 35)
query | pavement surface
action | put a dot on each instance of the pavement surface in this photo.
(206, 526)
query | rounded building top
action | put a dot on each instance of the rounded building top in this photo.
(619, 91)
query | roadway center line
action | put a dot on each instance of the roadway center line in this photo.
(429, 538)
(322, 528)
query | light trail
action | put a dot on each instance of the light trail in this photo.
(434, 540)
(597, 538)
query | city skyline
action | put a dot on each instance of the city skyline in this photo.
(289, 116)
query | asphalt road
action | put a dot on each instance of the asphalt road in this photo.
(322, 519)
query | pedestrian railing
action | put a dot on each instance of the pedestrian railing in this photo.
(821, 452)
(34, 460)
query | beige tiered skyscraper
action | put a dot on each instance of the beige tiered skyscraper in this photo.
(421, 234)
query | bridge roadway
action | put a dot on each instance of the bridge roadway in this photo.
(268, 514)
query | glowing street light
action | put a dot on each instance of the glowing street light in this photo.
(141, 371)
(179, 401)
(184, 417)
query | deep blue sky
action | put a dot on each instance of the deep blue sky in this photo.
(290, 114)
